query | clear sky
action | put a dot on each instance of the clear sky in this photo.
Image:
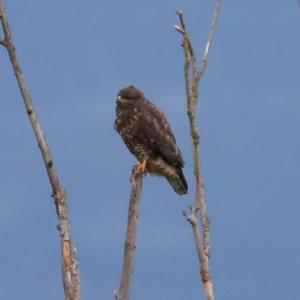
(76, 55)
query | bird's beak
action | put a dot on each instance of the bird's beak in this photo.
(121, 100)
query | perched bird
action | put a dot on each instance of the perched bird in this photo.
(148, 136)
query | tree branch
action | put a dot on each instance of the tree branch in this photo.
(70, 271)
(211, 35)
(130, 242)
(192, 77)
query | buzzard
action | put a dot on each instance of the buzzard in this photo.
(148, 136)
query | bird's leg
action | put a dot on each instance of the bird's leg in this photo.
(141, 167)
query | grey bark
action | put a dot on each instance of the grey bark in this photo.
(70, 270)
(192, 77)
(130, 241)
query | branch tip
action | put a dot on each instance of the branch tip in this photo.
(116, 293)
(179, 29)
(180, 13)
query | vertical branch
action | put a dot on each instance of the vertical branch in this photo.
(192, 77)
(130, 242)
(70, 271)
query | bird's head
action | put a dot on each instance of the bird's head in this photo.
(129, 93)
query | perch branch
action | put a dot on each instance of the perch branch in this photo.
(130, 242)
(192, 77)
(70, 271)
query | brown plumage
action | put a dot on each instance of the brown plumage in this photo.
(148, 136)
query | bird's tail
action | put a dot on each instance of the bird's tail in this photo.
(179, 183)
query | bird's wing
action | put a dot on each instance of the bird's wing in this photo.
(157, 133)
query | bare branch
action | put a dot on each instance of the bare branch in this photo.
(70, 272)
(192, 78)
(185, 33)
(211, 36)
(179, 29)
(4, 23)
(192, 218)
(130, 242)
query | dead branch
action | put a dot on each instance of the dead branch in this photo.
(211, 36)
(192, 77)
(70, 271)
(130, 242)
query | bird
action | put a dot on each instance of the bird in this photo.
(148, 136)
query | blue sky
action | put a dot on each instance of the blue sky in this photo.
(76, 55)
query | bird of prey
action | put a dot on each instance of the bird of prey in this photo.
(148, 136)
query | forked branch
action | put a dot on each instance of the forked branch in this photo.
(130, 241)
(192, 77)
(70, 270)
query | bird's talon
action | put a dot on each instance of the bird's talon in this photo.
(141, 168)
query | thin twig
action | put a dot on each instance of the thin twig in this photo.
(183, 30)
(70, 271)
(130, 242)
(192, 76)
(192, 218)
(211, 35)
